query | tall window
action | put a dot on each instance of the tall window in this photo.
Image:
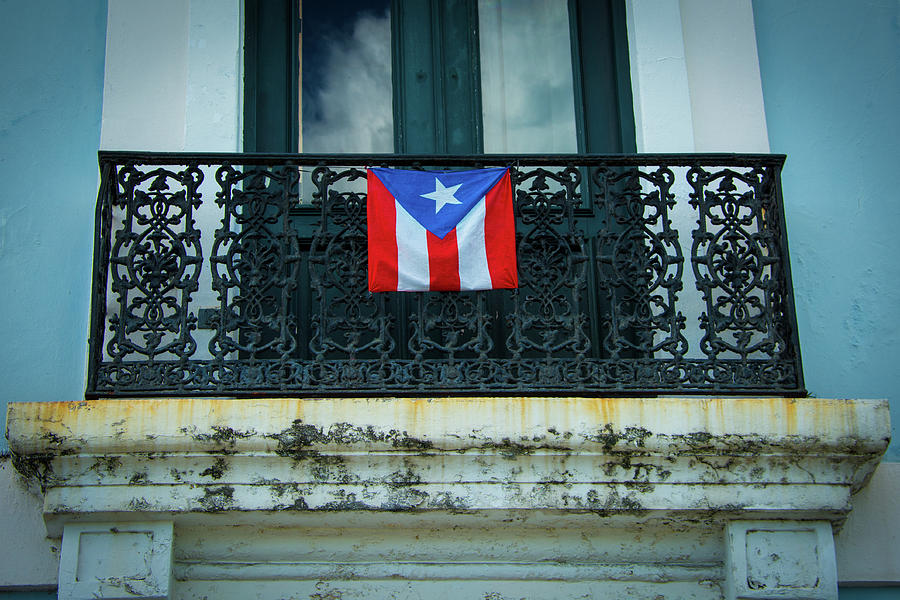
(437, 76)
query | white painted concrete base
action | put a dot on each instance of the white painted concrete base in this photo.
(116, 561)
(780, 559)
(451, 497)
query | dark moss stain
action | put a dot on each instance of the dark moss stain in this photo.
(444, 500)
(320, 473)
(294, 494)
(613, 504)
(140, 478)
(729, 443)
(217, 499)
(51, 437)
(632, 436)
(324, 592)
(225, 436)
(299, 504)
(345, 502)
(639, 486)
(176, 474)
(326, 468)
(217, 470)
(556, 477)
(402, 499)
(37, 467)
(119, 427)
(139, 504)
(109, 464)
(404, 478)
(279, 489)
(296, 441)
(153, 455)
(700, 437)
(623, 461)
(509, 449)
(645, 472)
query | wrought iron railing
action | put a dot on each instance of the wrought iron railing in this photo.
(246, 274)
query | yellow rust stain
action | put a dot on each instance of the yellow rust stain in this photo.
(419, 412)
(789, 412)
(129, 421)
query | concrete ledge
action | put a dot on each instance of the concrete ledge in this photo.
(605, 495)
(721, 457)
(377, 424)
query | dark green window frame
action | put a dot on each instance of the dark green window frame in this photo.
(438, 91)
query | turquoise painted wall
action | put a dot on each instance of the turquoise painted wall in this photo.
(831, 86)
(29, 595)
(866, 593)
(50, 104)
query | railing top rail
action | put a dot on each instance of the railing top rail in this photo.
(362, 160)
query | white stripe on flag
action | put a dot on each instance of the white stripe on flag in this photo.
(412, 253)
(473, 264)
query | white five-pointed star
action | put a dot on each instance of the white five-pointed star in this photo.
(442, 195)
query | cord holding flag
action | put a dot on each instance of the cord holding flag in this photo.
(440, 230)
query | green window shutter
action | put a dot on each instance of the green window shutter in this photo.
(604, 112)
(271, 69)
(437, 96)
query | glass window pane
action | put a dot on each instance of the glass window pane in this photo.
(345, 75)
(527, 93)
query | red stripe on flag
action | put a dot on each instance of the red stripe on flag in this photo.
(500, 235)
(381, 214)
(443, 262)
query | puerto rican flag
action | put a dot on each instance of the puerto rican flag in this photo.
(440, 230)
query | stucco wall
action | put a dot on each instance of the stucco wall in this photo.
(831, 84)
(31, 561)
(866, 593)
(50, 105)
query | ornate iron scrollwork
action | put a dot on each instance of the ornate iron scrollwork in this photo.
(605, 303)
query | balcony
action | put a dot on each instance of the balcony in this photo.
(234, 274)
(378, 452)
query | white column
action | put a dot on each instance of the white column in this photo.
(659, 80)
(695, 76)
(145, 75)
(727, 108)
(172, 79)
(213, 103)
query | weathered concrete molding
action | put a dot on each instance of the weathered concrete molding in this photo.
(802, 457)
(568, 497)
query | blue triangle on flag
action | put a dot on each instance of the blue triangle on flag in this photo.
(438, 200)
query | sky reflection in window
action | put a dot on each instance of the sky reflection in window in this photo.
(346, 78)
(527, 95)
